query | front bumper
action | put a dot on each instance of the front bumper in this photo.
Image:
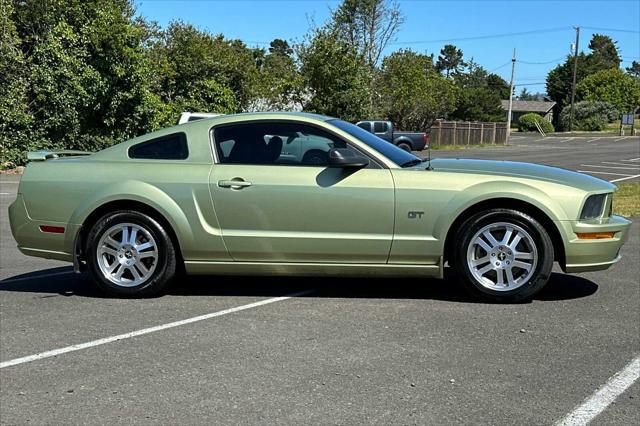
(593, 255)
(33, 242)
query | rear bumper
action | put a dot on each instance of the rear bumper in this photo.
(593, 255)
(33, 242)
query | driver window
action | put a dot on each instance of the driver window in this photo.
(274, 143)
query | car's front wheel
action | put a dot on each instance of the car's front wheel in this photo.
(503, 255)
(130, 254)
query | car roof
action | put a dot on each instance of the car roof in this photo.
(266, 115)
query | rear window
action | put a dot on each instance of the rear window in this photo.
(170, 147)
(379, 127)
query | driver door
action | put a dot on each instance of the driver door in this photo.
(279, 211)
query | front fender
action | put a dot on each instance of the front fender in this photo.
(485, 191)
(141, 192)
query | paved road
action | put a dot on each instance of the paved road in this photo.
(351, 351)
(610, 158)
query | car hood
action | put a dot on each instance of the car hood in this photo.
(522, 170)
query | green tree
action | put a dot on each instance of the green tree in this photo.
(612, 86)
(604, 52)
(634, 69)
(16, 121)
(603, 55)
(367, 26)
(412, 94)
(525, 95)
(188, 60)
(450, 60)
(335, 78)
(479, 104)
(280, 47)
(472, 75)
(480, 94)
(279, 84)
(86, 74)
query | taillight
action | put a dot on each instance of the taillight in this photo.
(425, 138)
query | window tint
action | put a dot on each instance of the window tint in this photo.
(380, 127)
(274, 143)
(171, 147)
(365, 125)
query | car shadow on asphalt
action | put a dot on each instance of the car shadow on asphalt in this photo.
(62, 281)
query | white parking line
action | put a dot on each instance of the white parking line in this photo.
(610, 167)
(619, 164)
(624, 178)
(136, 333)
(632, 159)
(600, 400)
(591, 140)
(603, 173)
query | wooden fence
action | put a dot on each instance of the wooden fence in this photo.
(467, 133)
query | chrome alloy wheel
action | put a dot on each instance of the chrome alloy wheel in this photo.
(127, 254)
(502, 256)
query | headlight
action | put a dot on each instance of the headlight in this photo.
(593, 206)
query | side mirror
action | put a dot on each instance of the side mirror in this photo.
(343, 157)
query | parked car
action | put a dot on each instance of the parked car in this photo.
(217, 196)
(186, 117)
(409, 141)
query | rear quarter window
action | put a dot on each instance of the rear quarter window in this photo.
(170, 147)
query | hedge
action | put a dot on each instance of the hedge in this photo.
(527, 123)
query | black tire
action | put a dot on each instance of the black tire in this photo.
(165, 263)
(526, 288)
(405, 146)
(315, 157)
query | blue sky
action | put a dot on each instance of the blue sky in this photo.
(427, 22)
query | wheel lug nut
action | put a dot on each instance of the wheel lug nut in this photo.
(492, 254)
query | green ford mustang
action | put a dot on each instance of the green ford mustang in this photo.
(303, 194)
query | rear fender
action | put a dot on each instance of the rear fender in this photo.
(143, 193)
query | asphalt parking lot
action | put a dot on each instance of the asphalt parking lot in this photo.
(344, 351)
(616, 159)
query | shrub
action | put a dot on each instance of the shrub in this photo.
(587, 115)
(527, 123)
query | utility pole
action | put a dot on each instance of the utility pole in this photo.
(575, 72)
(513, 71)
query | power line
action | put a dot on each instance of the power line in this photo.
(501, 66)
(483, 37)
(543, 63)
(612, 30)
(529, 84)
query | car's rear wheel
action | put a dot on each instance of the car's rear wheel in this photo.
(130, 254)
(404, 146)
(503, 255)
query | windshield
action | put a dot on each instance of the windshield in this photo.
(399, 156)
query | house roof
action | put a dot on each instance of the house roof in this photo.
(529, 106)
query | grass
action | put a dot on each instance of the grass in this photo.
(615, 126)
(626, 202)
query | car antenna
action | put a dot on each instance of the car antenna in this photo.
(429, 156)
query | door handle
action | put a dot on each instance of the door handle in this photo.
(235, 183)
